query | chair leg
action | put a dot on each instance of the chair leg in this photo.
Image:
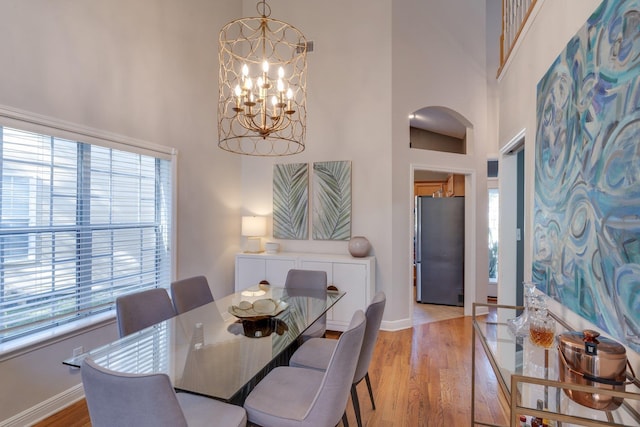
(366, 377)
(345, 421)
(356, 404)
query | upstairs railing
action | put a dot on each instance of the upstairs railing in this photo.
(514, 15)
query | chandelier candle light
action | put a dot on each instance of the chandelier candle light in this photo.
(262, 108)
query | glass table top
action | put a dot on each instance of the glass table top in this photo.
(212, 352)
(537, 369)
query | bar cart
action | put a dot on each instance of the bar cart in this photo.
(528, 374)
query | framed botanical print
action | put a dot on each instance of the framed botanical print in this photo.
(332, 200)
(291, 201)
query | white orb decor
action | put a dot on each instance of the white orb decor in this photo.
(359, 246)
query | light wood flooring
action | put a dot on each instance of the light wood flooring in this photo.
(420, 377)
(427, 313)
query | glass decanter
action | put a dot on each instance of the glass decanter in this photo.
(542, 328)
(520, 325)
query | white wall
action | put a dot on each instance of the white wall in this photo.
(348, 110)
(145, 69)
(434, 66)
(494, 30)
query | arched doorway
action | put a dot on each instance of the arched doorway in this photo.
(439, 129)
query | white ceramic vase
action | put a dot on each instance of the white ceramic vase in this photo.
(359, 246)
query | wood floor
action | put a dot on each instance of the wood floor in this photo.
(427, 313)
(420, 377)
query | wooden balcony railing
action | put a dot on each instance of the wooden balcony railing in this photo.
(514, 15)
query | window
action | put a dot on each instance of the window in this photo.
(494, 200)
(494, 219)
(15, 214)
(80, 224)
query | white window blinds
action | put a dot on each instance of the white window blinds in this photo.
(80, 224)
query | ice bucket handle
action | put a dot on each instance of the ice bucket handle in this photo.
(598, 379)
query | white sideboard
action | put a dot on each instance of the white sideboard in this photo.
(355, 276)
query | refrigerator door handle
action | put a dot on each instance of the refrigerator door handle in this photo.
(417, 239)
(418, 281)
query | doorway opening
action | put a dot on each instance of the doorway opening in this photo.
(438, 129)
(439, 245)
(512, 222)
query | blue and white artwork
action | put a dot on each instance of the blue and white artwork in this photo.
(586, 250)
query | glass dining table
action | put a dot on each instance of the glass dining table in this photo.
(212, 352)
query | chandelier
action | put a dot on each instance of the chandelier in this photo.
(262, 80)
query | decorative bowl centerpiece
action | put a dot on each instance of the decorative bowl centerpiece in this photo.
(259, 309)
(258, 317)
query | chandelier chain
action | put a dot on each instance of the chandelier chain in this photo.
(266, 10)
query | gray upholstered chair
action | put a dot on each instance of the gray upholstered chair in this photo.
(190, 293)
(312, 281)
(141, 400)
(143, 309)
(290, 396)
(316, 353)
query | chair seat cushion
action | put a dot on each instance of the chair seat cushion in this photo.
(283, 397)
(314, 353)
(202, 411)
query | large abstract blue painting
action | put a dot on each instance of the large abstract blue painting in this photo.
(586, 249)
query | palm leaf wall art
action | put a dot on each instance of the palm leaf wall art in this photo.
(291, 201)
(332, 200)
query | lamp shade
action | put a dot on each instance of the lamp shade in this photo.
(254, 226)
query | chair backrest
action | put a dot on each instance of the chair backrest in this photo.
(374, 313)
(331, 399)
(311, 283)
(306, 279)
(141, 400)
(143, 309)
(190, 293)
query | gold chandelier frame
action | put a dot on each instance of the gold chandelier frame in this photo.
(248, 123)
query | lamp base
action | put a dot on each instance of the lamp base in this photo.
(254, 245)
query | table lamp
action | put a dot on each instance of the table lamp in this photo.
(253, 227)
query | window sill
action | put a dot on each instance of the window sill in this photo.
(20, 346)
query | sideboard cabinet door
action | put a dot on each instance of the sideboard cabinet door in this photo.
(277, 269)
(351, 278)
(355, 276)
(251, 269)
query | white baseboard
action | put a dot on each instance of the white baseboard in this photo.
(45, 409)
(396, 325)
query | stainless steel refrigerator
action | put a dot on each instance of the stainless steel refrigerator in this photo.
(439, 250)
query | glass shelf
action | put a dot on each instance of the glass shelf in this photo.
(527, 373)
